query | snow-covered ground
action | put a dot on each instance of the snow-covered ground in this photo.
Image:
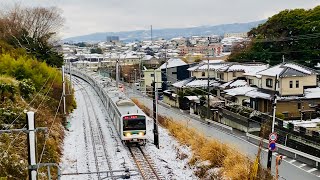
(171, 159)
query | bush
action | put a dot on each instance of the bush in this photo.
(26, 88)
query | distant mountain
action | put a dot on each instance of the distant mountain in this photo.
(168, 33)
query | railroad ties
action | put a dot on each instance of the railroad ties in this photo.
(145, 165)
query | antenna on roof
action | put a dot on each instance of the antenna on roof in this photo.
(283, 59)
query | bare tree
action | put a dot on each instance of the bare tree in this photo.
(39, 22)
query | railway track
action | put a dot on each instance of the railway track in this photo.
(101, 157)
(145, 165)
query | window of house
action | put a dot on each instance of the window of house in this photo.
(233, 74)
(269, 82)
(152, 75)
(250, 81)
(203, 74)
(174, 72)
(221, 76)
(297, 84)
(290, 84)
(299, 105)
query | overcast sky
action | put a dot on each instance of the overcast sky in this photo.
(89, 16)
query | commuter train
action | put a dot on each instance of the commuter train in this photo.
(128, 119)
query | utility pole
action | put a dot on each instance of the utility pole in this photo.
(208, 87)
(32, 170)
(155, 120)
(63, 92)
(117, 73)
(31, 141)
(273, 119)
(165, 58)
(70, 86)
(151, 36)
(135, 75)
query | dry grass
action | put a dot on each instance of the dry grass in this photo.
(232, 163)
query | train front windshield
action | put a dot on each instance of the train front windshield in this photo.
(134, 122)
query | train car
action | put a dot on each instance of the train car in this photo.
(127, 117)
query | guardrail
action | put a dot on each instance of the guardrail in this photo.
(287, 151)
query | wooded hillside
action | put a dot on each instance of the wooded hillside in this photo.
(294, 34)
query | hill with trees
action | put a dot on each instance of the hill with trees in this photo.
(29, 80)
(292, 34)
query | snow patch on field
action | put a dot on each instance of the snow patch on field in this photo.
(171, 158)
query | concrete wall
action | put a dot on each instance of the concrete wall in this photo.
(169, 101)
(292, 153)
(239, 99)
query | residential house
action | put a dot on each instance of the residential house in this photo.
(294, 85)
(149, 75)
(172, 71)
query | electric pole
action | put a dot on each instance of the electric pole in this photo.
(117, 73)
(151, 35)
(155, 120)
(273, 119)
(70, 86)
(135, 75)
(63, 92)
(165, 58)
(208, 86)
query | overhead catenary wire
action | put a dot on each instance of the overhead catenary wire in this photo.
(45, 96)
(11, 124)
(50, 129)
(3, 155)
(11, 143)
(288, 38)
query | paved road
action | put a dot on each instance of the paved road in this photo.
(289, 168)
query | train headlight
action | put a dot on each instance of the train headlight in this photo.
(128, 134)
(141, 133)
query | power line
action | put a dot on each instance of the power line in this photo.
(267, 120)
(11, 143)
(45, 96)
(45, 142)
(10, 125)
(29, 106)
(288, 38)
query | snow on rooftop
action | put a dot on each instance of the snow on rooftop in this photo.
(258, 94)
(182, 83)
(202, 83)
(299, 68)
(211, 66)
(280, 68)
(312, 93)
(239, 91)
(173, 62)
(213, 61)
(236, 83)
(273, 71)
